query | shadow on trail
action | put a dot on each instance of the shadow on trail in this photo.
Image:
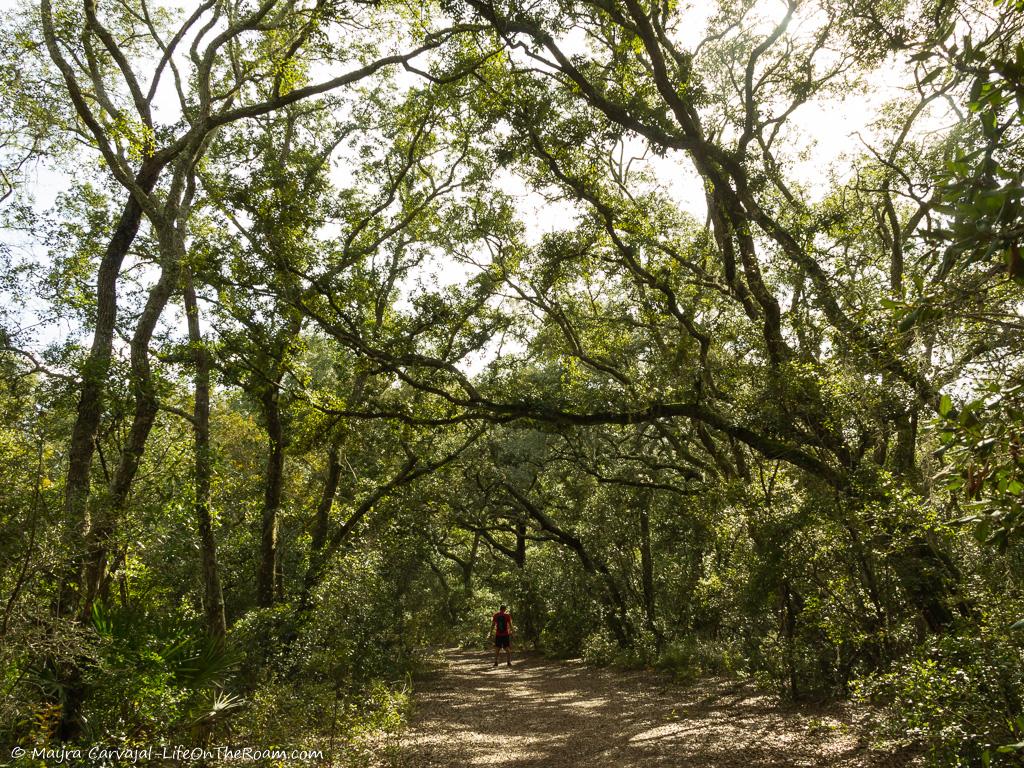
(547, 713)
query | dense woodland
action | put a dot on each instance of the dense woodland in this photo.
(350, 319)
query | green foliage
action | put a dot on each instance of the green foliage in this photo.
(983, 190)
(473, 619)
(152, 678)
(959, 696)
(982, 445)
(337, 679)
(689, 659)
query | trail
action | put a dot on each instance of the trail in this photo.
(542, 713)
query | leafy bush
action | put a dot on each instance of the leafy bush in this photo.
(690, 658)
(334, 679)
(959, 696)
(601, 650)
(156, 677)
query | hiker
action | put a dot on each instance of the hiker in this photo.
(501, 623)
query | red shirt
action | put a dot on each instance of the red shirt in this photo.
(502, 624)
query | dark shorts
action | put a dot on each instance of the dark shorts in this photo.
(501, 641)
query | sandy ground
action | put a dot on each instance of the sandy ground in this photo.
(546, 713)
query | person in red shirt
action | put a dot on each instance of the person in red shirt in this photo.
(501, 623)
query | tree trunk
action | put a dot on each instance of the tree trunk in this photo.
(647, 570)
(266, 575)
(94, 380)
(323, 510)
(467, 569)
(98, 537)
(789, 633)
(520, 558)
(213, 595)
(905, 458)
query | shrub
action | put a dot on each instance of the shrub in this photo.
(959, 696)
(690, 658)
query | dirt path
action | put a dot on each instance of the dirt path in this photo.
(546, 713)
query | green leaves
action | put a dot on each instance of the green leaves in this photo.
(945, 405)
(981, 192)
(983, 451)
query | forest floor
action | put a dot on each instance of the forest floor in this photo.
(541, 713)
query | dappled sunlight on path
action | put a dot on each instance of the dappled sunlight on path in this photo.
(547, 713)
